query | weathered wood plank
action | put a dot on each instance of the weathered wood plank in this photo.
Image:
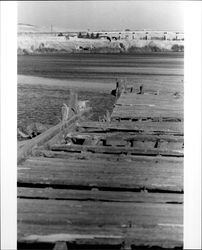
(164, 84)
(83, 155)
(156, 174)
(147, 98)
(148, 111)
(126, 136)
(90, 156)
(154, 224)
(118, 150)
(144, 127)
(97, 195)
(148, 118)
(149, 114)
(24, 151)
(132, 105)
(129, 139)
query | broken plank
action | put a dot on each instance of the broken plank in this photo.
(129, 139)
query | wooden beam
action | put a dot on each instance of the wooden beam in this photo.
(98, 195)
(25, 150)
(59, 220)
(139, 127)
(154, 173)
(118, 150)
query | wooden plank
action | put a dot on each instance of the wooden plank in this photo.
(148, 105)
(147, 98)
(148, 118)
(153, 224)
(124, 136)
(126, 139)
(118, 150)
(89, 156)
(146, 127)
(152, 174)
(147, 109)
(83, 155)
(24, 151)
(149, 114)
(97, 195)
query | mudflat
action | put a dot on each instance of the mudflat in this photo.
(101, 66)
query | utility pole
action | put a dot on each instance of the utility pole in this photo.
(51, 28)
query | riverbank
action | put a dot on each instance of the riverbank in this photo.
(30, 44)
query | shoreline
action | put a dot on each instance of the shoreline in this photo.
(61, 83)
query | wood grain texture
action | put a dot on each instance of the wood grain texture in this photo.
(154, 224)
(138, 127)
(126, 136)
(91, 156)
(156, 174)
(148, 151)
(132, 105)
(97, 195)
(26, 149)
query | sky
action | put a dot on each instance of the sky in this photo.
(103, 15)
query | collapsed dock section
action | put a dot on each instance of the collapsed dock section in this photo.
(111, 184)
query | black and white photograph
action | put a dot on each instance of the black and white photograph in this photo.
(100, 90)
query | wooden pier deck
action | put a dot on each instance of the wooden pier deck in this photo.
(116, 184)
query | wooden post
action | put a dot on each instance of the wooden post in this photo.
(73, 104)
(141, 90)
(107, 117)
(121, 88)
(65, 112)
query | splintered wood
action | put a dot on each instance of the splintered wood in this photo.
(112, 184)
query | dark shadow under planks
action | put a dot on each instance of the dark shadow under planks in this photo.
(125, 136)
(129, 139)
(154, 173)
(150, 224)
